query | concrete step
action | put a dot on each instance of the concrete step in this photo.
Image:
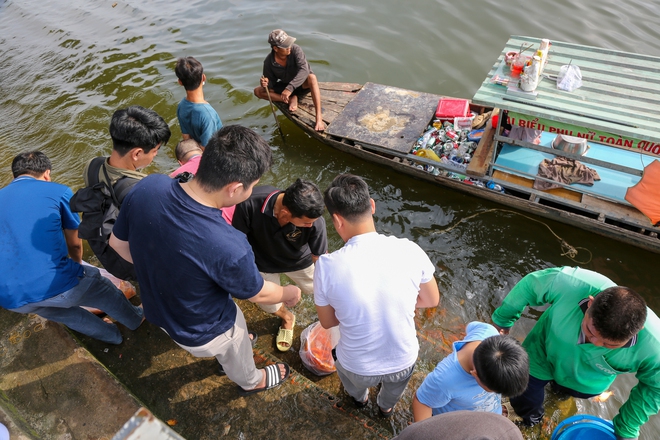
(59, 384)
(52, 388)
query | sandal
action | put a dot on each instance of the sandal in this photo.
(284, 339)
(273, 379)
(386, 414)
(359, 404)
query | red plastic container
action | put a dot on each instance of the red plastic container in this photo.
(450, 108)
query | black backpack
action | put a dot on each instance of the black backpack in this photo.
(100, 204)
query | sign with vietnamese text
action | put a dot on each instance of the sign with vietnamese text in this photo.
(614, 140)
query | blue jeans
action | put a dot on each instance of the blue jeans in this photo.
(95, 291)
(529, 405)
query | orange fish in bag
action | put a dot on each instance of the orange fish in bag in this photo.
(316, 344)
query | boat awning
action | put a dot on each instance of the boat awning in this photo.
(618, 103)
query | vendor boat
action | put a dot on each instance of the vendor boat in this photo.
(617, 112)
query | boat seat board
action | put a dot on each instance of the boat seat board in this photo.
(528, 183)
(385, 116)
(613, 184)
(483, 155)
(334, 98)
(628, 214)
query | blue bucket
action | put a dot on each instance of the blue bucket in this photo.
(584, 427)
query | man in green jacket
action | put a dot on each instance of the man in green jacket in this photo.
(592, 331)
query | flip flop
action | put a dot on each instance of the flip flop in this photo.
(253, 341)
(273, 379)
(359, 404)
(386, 414)
(285, 335)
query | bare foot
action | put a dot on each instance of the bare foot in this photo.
(293, 103)
(108, 320)
(320, 125)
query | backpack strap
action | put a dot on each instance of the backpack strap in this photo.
(121, 187)
(93, 170)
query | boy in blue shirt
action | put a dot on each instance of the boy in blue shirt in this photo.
(198, 120)
(482, 366)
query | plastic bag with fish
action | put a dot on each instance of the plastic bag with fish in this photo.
(316, 344)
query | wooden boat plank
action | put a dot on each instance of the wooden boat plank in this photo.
(386, 116)
(529, 183)
(483, 155)
(338, 86)
(613, 210)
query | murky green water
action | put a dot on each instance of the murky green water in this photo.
(66, 66)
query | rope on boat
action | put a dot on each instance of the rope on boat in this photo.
(568, 251)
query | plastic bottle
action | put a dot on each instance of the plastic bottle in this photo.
(494, 186)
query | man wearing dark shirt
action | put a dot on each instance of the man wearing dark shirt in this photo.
(287, 75)
(287, 235)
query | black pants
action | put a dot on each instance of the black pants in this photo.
(529, 405)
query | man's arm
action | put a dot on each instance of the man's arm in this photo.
(327, 316)
(271, 293)
(420, 411)
(73, 244)
(121, 247)
(644, 401)
(429, 295)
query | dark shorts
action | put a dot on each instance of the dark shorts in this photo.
(300, 92)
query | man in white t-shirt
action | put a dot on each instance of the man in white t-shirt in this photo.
(370, 288)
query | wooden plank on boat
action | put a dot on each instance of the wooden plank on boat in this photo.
(340, 87)
(623, 213)
(483, 155)
(528, 183)
(386, 116)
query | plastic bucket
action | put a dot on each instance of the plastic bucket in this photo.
(584, 427)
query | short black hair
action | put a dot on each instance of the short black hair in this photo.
(234, 154)
(186, 146)
(618, 313)
(135, 127)
(502, 365)
(33, 163)
(303, 199)
(348, 196)
(189, 71)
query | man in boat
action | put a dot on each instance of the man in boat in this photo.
(40, 256)
(191, 264)
(371, 288)
(592, 331)
(287, 75)
(198, 120)
(287, 233)
(137, 134)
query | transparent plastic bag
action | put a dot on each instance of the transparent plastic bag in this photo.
(126, 288)
(316, 344)
(569, 78)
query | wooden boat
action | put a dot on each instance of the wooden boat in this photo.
(381, 124)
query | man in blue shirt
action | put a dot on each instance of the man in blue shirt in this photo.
(198, 120)
(40, 254)
(191, 264)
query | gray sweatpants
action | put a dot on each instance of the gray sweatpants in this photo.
(391, 390)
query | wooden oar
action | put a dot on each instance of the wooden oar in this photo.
(272, 107)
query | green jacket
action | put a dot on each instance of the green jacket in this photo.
(554, 353)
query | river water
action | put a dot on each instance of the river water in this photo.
(66, 66)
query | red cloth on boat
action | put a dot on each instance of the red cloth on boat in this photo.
(566, 171)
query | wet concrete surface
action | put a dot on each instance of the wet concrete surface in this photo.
(60, 384)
